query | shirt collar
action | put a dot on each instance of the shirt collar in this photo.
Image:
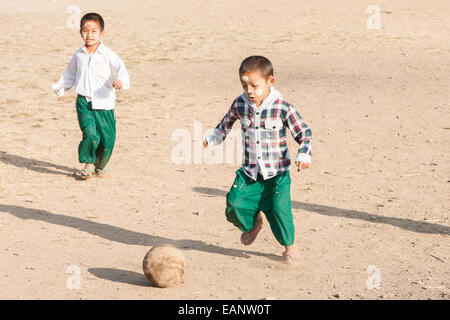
(100, 48)
(274, 94)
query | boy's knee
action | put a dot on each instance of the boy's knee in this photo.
(234, 200)
(90, 133)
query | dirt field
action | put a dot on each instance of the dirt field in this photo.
(371, 214)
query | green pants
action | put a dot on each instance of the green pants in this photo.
(99, 133)
(247, 198)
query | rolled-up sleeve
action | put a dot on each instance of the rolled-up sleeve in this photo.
(119, 70)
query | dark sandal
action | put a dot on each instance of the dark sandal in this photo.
(245, 239)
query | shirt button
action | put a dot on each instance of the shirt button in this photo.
(256, 128)
(259, 158)
(257, 113)
(257, 142)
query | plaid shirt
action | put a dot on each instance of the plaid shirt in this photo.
(264, 134)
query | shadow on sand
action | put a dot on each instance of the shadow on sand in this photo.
(122, 276)
(35, 165)
(125, 236)
(121, 235)
(406, 224)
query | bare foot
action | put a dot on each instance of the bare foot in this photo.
(291, 255)
(89, 166)
(248, 238)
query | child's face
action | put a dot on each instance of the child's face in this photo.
(91, 32)
(256, 86)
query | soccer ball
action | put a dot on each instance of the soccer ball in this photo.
(164, 266)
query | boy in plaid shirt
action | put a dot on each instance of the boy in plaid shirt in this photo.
(263, 182)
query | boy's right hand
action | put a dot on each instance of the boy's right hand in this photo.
(205, 143)
(117, 84)
(302, 165)
(58, 89)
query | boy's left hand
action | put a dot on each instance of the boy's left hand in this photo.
(117, 84)
(302, 165)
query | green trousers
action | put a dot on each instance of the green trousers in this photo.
(99, 133)
(247, 198)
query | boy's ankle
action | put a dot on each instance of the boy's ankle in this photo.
(291, 248)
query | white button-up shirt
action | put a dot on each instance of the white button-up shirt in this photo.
(92, 76)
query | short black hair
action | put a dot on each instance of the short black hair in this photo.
(260, 63)
(92, 16)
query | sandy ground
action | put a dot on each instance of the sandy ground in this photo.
(375, 201)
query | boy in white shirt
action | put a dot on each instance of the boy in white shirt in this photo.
(95, 72)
